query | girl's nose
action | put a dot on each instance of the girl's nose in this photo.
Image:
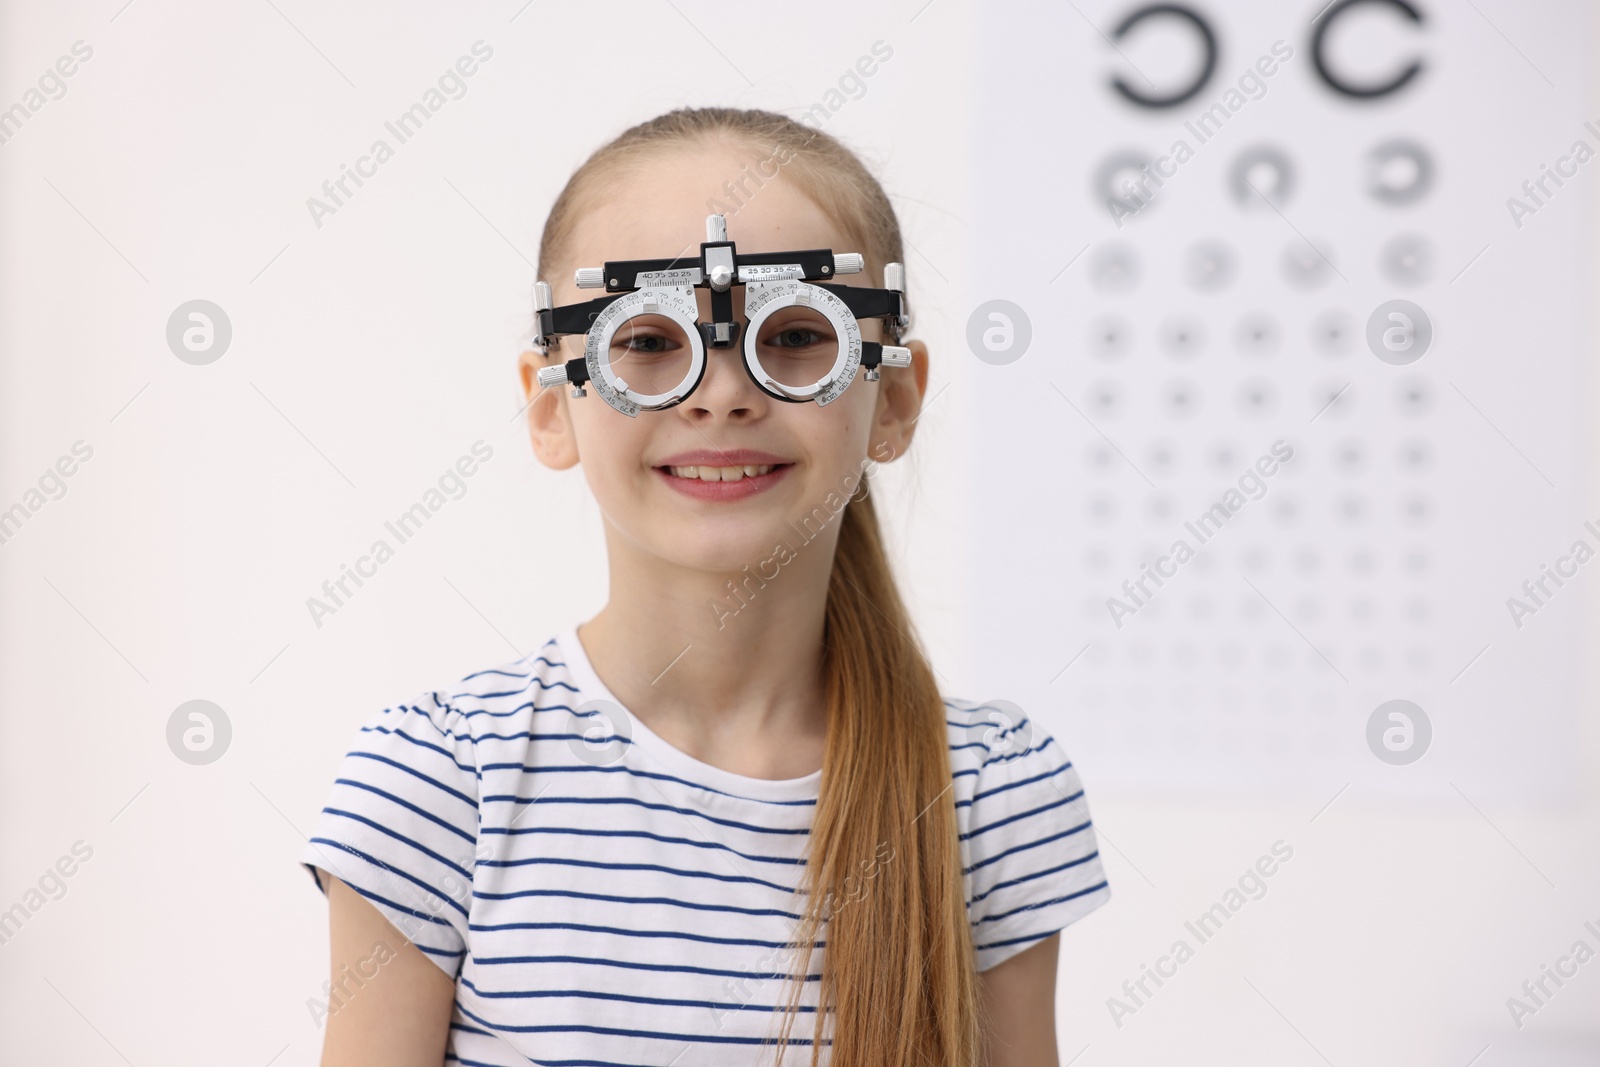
(725, 386)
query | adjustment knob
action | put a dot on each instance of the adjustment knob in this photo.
(590, 277)
(849, 263)
(549, 376)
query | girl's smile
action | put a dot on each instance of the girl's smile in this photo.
(717, 474)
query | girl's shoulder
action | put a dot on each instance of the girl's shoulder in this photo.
(1003, 760)
(1029, 850)
(402, 821)
(538, 681)
(988, 737)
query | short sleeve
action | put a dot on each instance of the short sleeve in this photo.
(1034, 863)
(401, 824)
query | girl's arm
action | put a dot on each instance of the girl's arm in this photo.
(397, 1017)
(1019, 998)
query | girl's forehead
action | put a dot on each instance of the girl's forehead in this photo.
(650, 215)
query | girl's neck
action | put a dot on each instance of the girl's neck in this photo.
(732, 680)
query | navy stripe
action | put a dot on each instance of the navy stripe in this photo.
(588, 994)
(1022, 815)
(1001, 737)
(650, 805)
(1025, 939)
(547, 1028)
(534, 682)
(997, 857)
(669, 901)
(443, 953)
(516, 674)
(1028, 937)
(495, 961)
(1048, 741)
(1041, 904)
(426, 814)
(633, 867)
(458, 794)
(1020, 783)
(1030, 877)
(379, 899)
(402, 838)
(706, 939)
(581, 832)
(376, 862)
(446, 753)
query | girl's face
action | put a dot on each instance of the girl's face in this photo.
(635, 465)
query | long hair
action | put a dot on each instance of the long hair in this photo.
(883, 871)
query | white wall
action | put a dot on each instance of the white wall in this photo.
(367, 355)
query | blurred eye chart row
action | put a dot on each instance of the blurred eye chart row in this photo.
(1278, 333)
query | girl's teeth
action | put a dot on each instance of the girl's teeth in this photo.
(720, 474)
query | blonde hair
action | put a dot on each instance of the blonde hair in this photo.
(899, 976)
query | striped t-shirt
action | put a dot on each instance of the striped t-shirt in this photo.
(601, 897)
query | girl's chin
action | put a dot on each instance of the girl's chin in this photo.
(727, 552)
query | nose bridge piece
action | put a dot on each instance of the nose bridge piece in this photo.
(712, 392)
(721, 328)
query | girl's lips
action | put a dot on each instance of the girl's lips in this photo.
(721, 457)
(747, 486)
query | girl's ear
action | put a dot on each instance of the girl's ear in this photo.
(900, 393)
(549, 427)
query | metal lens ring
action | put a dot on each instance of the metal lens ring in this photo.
(675, 306)
(764, 299)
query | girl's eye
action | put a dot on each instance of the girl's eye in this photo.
(646, 344)
(797, 337)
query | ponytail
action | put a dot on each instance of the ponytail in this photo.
(884, 867)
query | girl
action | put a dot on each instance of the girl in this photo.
(732, 816)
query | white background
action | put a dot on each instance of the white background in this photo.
(370, 353)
